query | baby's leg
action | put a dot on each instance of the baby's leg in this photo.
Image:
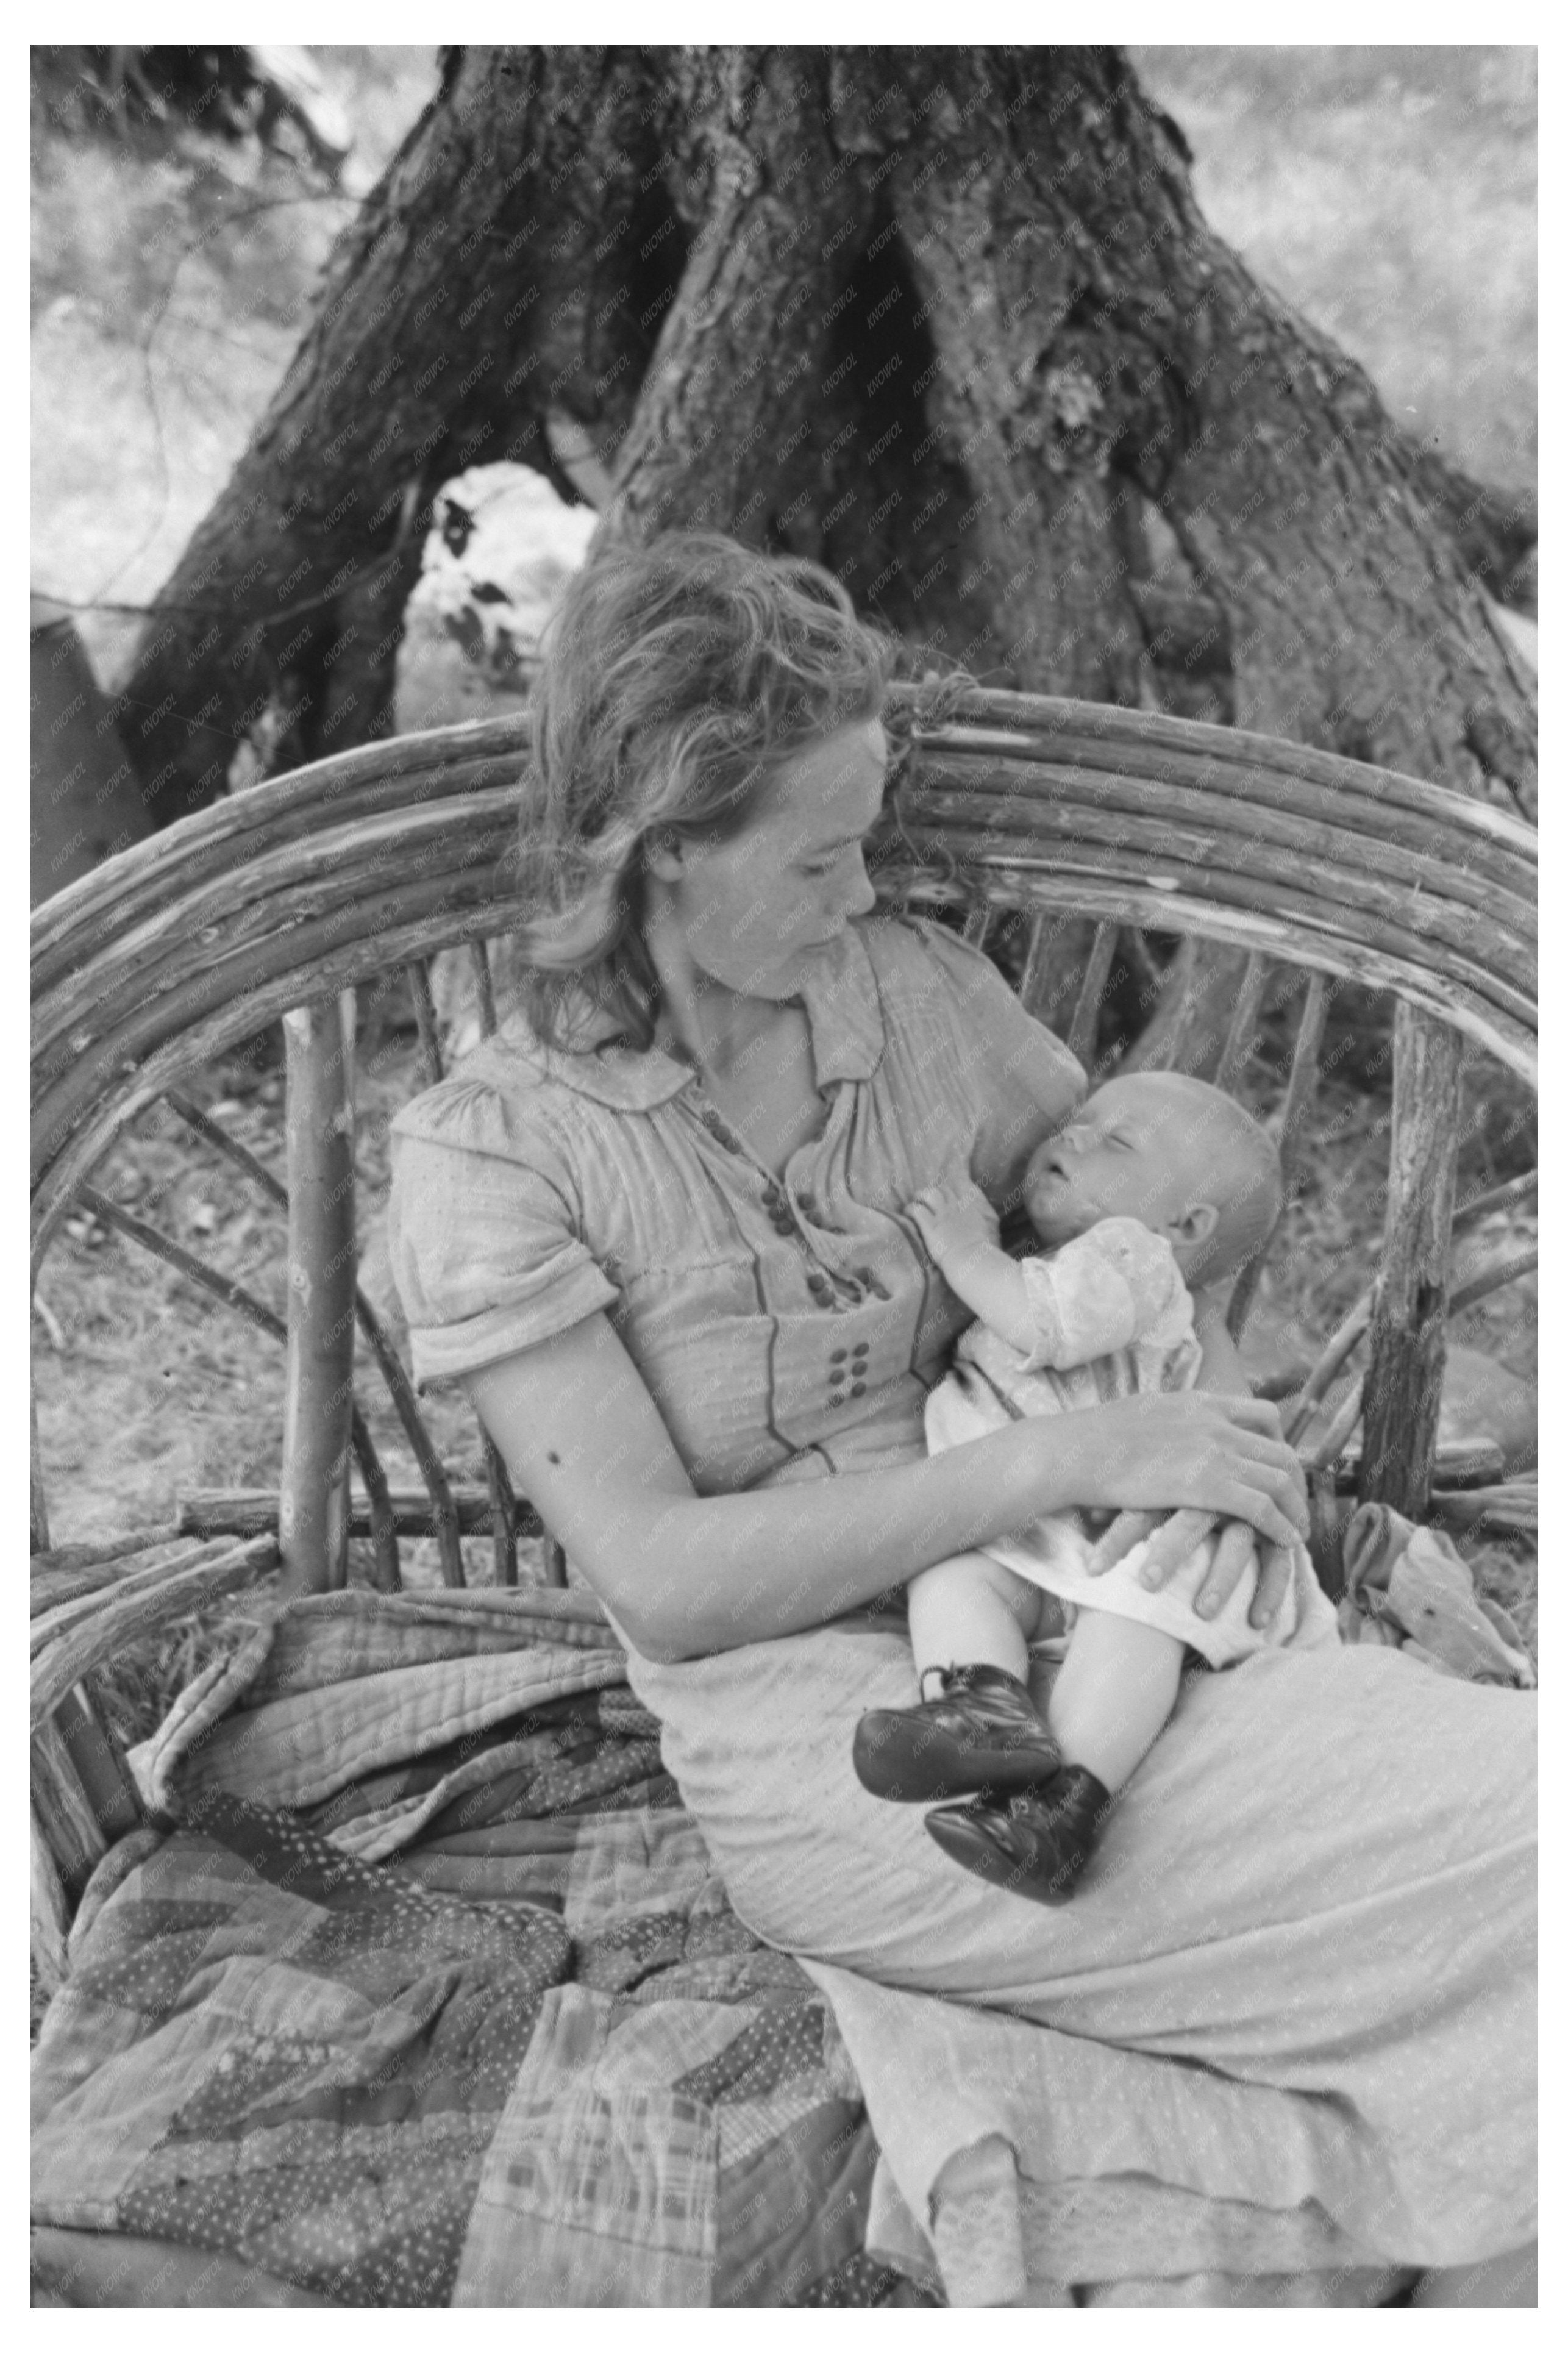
(970, 1611)
(976, 1726)
(1113, 1693)
(1111, 1696)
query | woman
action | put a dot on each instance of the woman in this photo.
(657, 1230)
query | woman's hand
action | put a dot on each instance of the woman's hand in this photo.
(1240, 1552)
(1199, 1449)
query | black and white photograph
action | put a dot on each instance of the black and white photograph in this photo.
(783, 1397)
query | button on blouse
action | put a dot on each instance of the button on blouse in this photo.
(786, 1326)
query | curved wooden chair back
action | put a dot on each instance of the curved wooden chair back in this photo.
(1025, 812)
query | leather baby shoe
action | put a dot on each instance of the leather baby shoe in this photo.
(1036, 1843)
(983, 1734)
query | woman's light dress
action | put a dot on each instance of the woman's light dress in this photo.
(1321, 1880)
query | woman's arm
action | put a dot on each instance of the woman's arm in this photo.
(688, 1575)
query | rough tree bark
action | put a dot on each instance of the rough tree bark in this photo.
(949, 320)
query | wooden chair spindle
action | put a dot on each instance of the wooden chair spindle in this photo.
(418, 971)
(399, 1385)
(1031, 980)
(1407, 1342)
(1085, 1024)
(1181, 991)
(1485, 1279)
(1242, 1033)
(1327, 1449)
(245, 1303)
(503, 1506)
(387, 1574)
(318, 1412)
(479, 956)
(1299, 1090)
(977, 923)
(1513, 1194)
(37, 1498)
(101, 1769)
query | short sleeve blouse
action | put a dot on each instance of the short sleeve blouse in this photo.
(786, 1326)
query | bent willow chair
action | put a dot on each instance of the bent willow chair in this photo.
(1061, 834)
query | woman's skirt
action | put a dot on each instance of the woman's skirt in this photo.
(1322, 1880)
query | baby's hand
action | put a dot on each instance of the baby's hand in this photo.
(954, 1218)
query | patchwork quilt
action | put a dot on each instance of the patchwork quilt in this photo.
(425, 1993)
(421, 1989)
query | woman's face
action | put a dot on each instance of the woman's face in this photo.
(752, 913)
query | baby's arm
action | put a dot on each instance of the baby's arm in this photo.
(958, 1226)
(1221, 1371)
(1113, 1284)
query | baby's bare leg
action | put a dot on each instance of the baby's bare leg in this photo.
(1113, 1693)
(970, 1611)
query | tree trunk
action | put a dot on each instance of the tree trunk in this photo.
(949, 320)
(84, 798)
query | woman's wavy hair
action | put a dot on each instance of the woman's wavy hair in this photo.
(676, 679)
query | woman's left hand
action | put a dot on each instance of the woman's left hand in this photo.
(1238, 1552)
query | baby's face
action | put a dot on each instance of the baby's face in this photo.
(1133, 1151)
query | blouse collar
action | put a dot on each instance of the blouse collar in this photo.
(843, 1012)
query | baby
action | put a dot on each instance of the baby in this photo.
(1159, 1180)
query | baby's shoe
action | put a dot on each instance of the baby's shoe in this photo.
(1033, 1845)
(983, 1733)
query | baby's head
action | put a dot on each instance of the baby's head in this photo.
(1174, 1152)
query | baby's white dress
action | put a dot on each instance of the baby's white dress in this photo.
(1113, 1319)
